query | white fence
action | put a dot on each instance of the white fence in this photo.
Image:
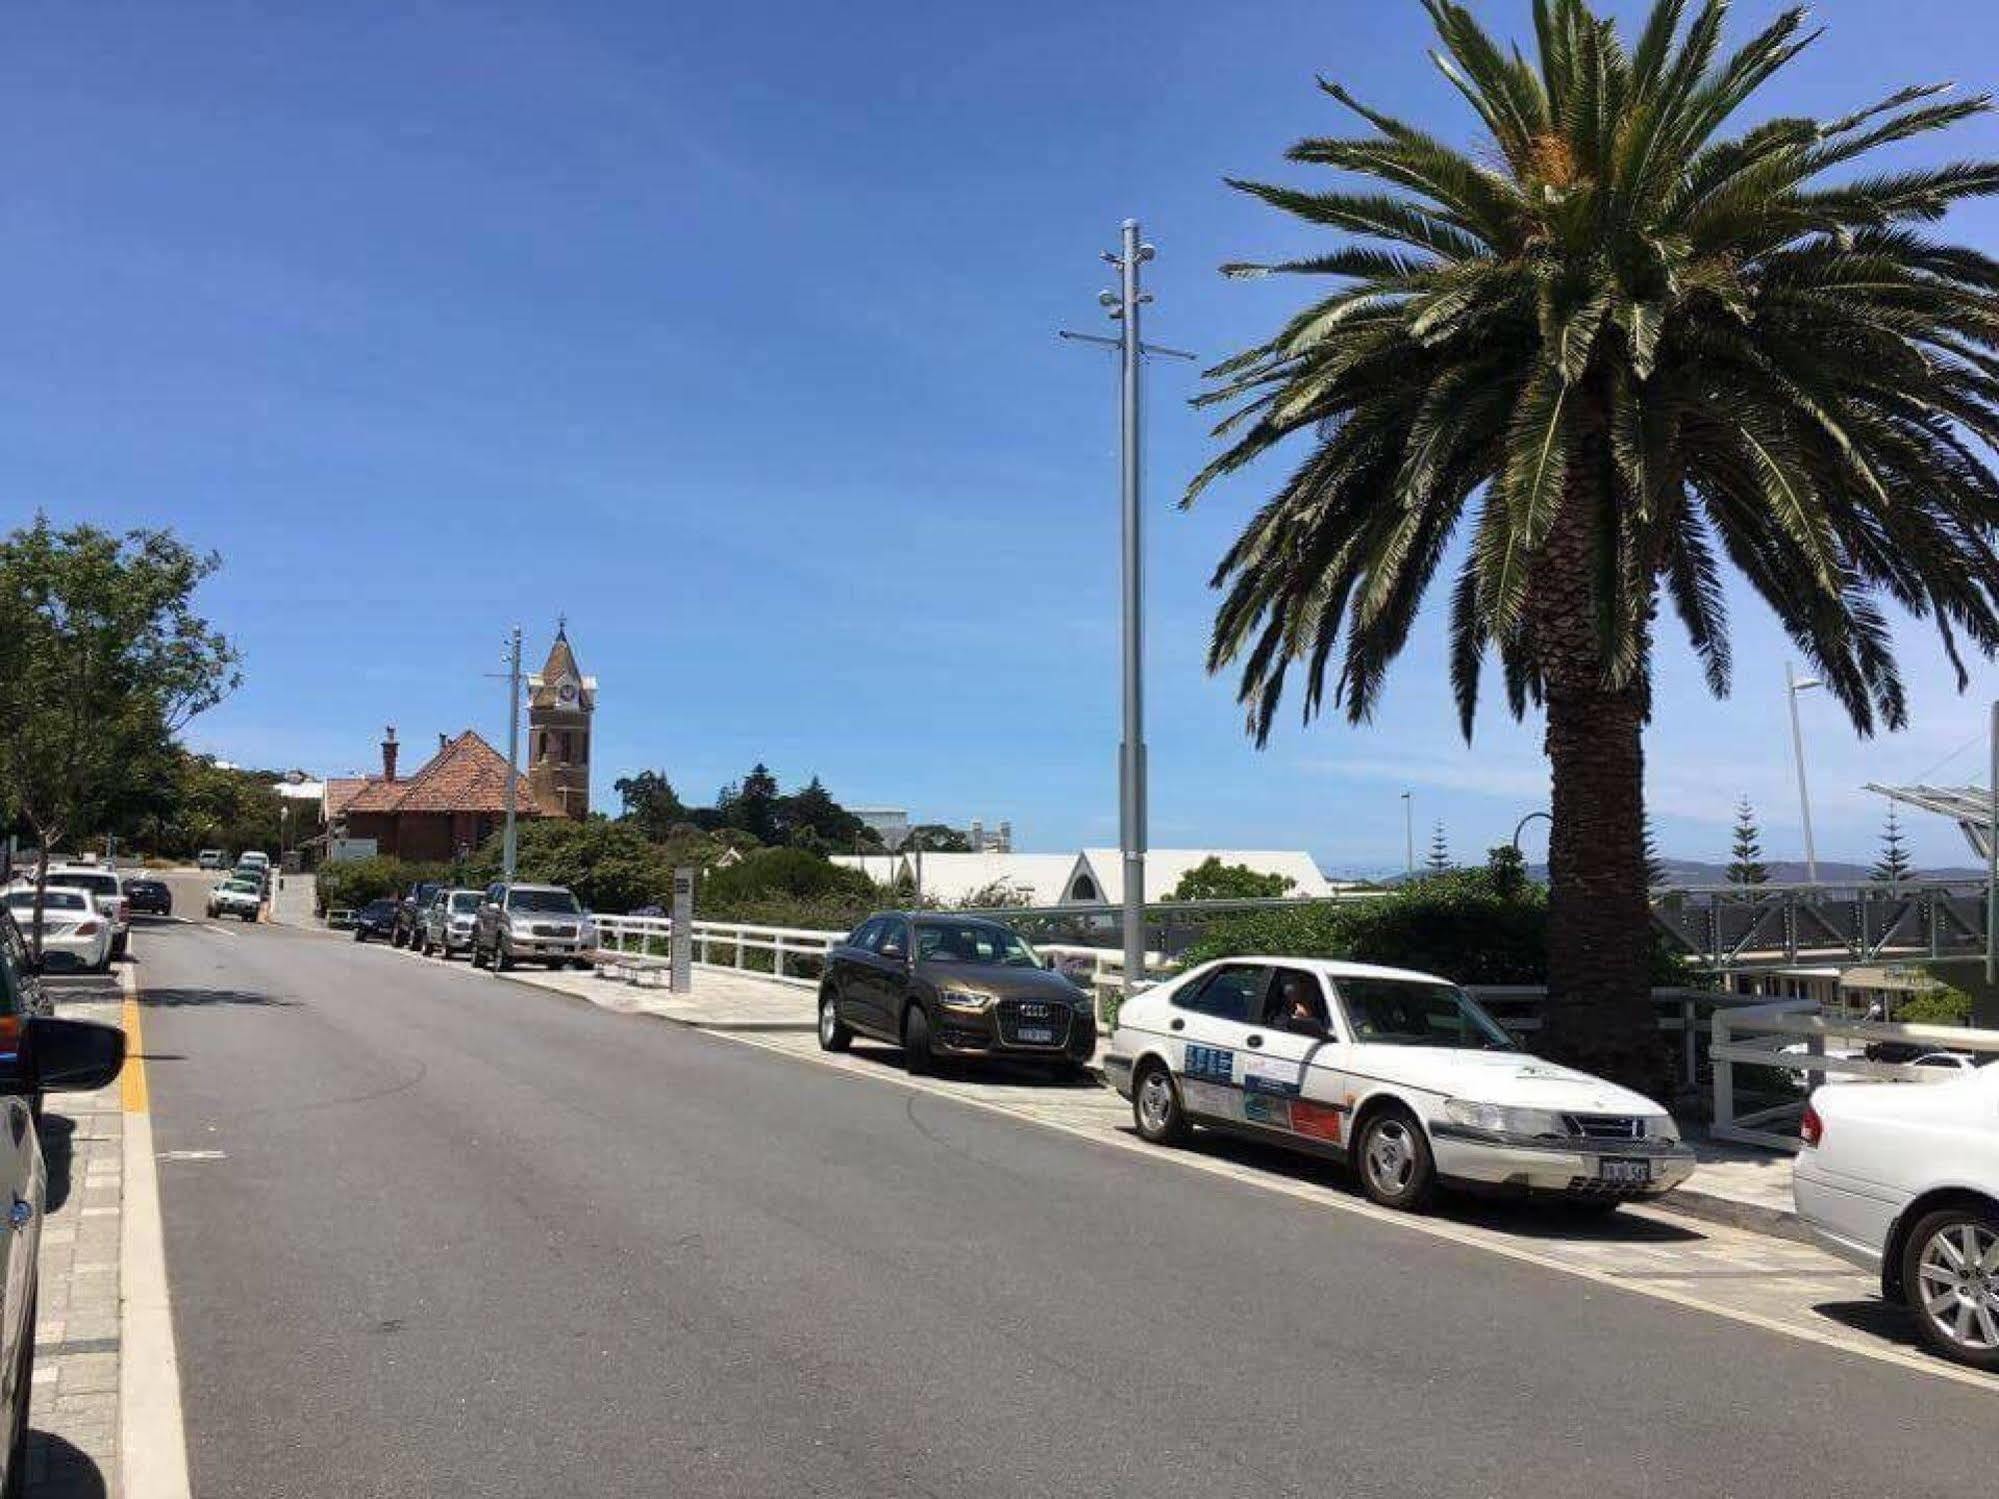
(727, 945)
(1793, 1035)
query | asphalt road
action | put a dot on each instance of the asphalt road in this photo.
(465, 1237)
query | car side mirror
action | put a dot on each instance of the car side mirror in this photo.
(76, 1056)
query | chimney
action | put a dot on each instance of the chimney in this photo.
(389, 748)
(443, 741)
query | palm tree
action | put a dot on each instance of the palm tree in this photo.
(1607, 352)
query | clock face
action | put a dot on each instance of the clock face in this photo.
(566, 692)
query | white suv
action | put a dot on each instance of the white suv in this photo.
(532, 923)
(103, 885)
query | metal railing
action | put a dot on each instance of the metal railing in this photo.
(1792, 1036)
(1728, 927)
(788, 955)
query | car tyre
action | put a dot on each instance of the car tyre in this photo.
(1396, 1167)
(360, 934)
(1155, 1106)
(918, 1060)
(833, 1032)
(1950, 1281)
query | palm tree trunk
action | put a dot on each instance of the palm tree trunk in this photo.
(1599, 1014)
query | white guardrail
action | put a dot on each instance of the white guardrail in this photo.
(1793, 1035)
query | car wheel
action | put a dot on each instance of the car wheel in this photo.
(1950, 1277)
(359, 935)
(1155, 1106)
(833, 1032)
(917, 1058)
(1396, 1169)
(24, 1390)
(119, 946)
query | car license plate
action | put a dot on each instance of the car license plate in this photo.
(1037, 1035)
(1624, 1172)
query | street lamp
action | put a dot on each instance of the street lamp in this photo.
(1521, 826)
(1793, 685)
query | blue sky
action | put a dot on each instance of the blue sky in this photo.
(730, 332)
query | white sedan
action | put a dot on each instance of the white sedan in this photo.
(1401, 1074)
(1906, 1181)
(73, 929)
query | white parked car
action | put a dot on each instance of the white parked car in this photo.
(236, 896)
(72, 926)
(1906, 1181)
(102, 883)
(1401, 1074)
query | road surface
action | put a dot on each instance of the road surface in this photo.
(433, 1232)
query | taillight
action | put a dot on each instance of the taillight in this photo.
(1811, 1128)
(86, 929)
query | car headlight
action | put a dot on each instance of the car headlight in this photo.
(586, 931)
(1662, 1127)
(957, 999)
(1501, 1120)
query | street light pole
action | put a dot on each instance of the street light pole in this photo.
(513, 752)
(1123, 307)
(1793, 685)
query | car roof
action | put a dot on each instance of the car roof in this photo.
(1335, 968)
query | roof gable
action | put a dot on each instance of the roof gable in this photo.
(467, 775)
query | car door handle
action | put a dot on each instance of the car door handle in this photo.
(19, 1214)
(1255, 1041)
(1178, 1025)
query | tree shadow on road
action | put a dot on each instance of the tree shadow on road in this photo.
(56, 1132)
(168, 999)
(61, 1470)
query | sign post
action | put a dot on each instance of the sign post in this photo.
(680, 967)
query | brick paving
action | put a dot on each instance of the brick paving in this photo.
(73, 1421)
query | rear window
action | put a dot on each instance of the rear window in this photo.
(23, 901)
(103, 884)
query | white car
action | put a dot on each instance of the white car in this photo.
(236, 896)
(72, 926)
(1905, 1181)
(1401, 1074)
(102, 883)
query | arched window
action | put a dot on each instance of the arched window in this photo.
(565, 747)
(582, 749)
(1085, 888)
(542, 753)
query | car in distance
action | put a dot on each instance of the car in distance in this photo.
(1904, 1181)
(532, 923)
(254, 859)
(448, 923)
(211, 858)
(409, 912)
(376, 919)
(952, 986)
(37, 1053)
(1399, 1074)
(73, 929)
(236, 896)
(102, 883)
(149, 896)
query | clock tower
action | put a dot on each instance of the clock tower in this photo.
(560, 702)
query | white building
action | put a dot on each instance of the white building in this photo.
(1097, 876)
(1093, 876)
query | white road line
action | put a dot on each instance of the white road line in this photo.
(152, 1442)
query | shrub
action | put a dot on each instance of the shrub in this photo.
(349, 884)
(1211, 879)
(787, 879)
(1942, 1005)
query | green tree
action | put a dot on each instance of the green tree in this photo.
(1607, 348)
(810, 818)
(1746, 852)
(1211, 879)
(1893, 866)
(103, 660)
(649, 803)
(1655, 867)
(935, 838)
(1440, 851)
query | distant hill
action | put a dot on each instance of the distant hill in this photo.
(1697, 872)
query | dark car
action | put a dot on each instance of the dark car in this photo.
(952, 986)
(376, 919)
(408, 929)
(149, 896)
(38, 1053)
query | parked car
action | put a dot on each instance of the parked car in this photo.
(236, 896)
(1905, 1182)
(409, 913)
(1400, 1074)
(939, 985)
(148, 895)
(376, 919)
(254, 859)
(103, 884)
(73, 929)
(532, 923)
(448, 923)
(37, 1052)
(211, 858)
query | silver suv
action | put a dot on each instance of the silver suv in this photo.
(447, 923)
(532, 924)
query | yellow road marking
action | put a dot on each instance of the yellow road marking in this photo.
(132, 1081)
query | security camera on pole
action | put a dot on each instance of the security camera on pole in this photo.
(1123, 306)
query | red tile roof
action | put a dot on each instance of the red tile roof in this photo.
(467, 775)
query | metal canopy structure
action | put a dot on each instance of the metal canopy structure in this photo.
(1970, 807)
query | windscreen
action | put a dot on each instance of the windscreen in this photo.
(1405, 1012)
(553, 902)
(973, 943)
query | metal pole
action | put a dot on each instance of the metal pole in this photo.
(1992, 861)
(1798, 755)
(1131, 760)
(513, 751)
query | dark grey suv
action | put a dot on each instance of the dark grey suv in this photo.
(939, 985)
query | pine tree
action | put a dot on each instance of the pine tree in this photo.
(1655, 867)
(1440, 852)
(1893, 866)
(1747, 866)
